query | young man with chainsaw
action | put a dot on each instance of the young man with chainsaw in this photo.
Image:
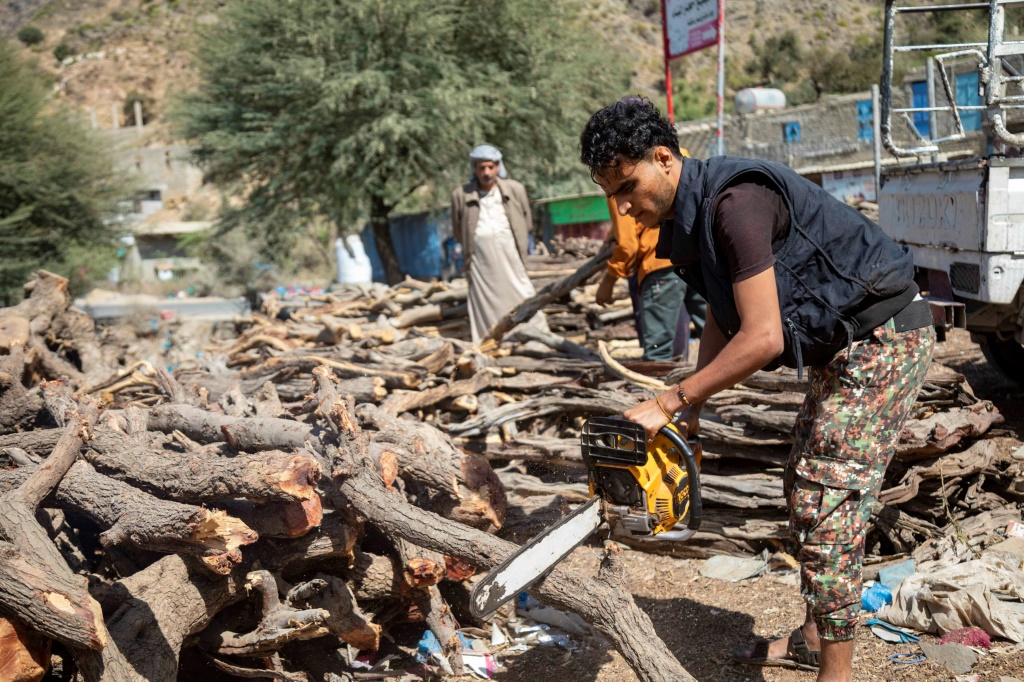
(791, 277)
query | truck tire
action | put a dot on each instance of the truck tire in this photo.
(1006, 354)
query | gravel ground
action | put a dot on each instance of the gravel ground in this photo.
(703, 620)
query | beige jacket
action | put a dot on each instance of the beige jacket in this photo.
(466, 213)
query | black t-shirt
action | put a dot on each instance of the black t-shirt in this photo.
(750, 222)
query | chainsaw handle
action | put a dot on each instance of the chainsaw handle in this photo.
(692, 474)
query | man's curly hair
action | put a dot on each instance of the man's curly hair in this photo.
(629, 129)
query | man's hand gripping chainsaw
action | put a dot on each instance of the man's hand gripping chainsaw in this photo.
(644, 490)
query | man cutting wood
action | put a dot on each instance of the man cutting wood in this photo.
(791, 277)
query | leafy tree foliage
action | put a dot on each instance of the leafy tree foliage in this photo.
(55, 183)
(340, 110)
(30, 35)
(776, 60)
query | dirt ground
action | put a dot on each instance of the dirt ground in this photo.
(703, 620)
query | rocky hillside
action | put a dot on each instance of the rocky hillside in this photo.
(115, 50)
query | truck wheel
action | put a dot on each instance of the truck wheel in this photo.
(1006, 354)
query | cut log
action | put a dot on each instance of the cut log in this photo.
(280, 519)
(556, 342)
(539, 407)
(398, 403)
(249, 435)
(195, 477)
(36, 585)
(335, 541)
(24, 655)
(420, 567)
(161, 605)
(130, 515)
(460, 486)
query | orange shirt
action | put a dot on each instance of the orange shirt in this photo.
(634, 247)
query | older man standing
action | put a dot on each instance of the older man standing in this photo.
(491, 219)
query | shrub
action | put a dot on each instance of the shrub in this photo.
(30, 35)
(61, 51)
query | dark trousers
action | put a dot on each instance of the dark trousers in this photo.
(661, 299)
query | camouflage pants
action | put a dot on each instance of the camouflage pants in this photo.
(845, 436)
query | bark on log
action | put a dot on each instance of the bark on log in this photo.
(195, 477)
(249, 435)
(36, 585)
(280, 519)
(279, 623)
(441, 621)
(556, 342)
(190, 477)
(528, 308)
(161, 606)
(345, 619)
(398, 403)
(430, 461)
(130, 515)
(610, 609)
(334, 540)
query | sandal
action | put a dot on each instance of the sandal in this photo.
(802, 658)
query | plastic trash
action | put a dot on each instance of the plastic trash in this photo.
(569, 622)
(875, 597)
(497, 636)
(427, 646)
(892, 576)
(557, 639)
(481, 664)
(890, 633)
(525, 601)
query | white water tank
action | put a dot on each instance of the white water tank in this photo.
(750, 100)
(353, 264)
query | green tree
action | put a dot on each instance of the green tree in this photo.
(55, 183)
(340, 110)
(30, 35)
(776, 60)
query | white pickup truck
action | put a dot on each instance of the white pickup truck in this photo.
(963, 219)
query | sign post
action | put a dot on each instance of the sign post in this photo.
(688, 26)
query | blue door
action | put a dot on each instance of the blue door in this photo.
(865, 121)
(967, 96)
(921, 120)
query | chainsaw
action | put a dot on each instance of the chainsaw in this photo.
(645, 491)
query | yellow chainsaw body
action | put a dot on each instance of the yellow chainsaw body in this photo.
(662, 487)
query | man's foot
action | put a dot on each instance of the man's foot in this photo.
(801, 650)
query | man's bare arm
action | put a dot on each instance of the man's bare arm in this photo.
(758, 342)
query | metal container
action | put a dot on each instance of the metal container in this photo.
(750, 100)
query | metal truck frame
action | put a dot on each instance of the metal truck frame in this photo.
(963, 219)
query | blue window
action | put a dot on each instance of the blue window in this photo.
(865, 121)
(921, 120)
(967, 96)
(791, 132)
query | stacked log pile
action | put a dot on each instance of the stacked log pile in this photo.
(314, 478)
(273, 538)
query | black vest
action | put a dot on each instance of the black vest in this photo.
(831, 260)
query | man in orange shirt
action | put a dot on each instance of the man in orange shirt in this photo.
(664, 306)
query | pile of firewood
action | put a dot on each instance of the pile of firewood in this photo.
(307, 483)
(274, 534)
